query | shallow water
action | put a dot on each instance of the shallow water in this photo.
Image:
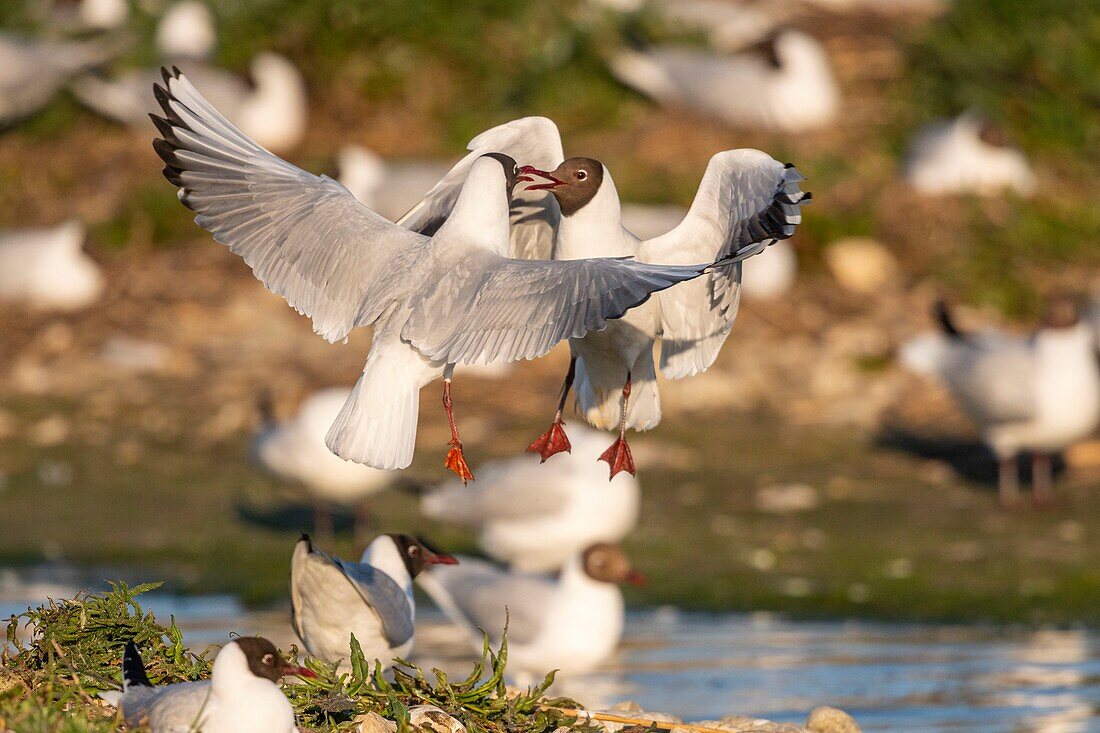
(915, 678)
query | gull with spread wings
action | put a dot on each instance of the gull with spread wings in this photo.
(451, 296)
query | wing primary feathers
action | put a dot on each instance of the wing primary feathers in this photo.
(133, 669)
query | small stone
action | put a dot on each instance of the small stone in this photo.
(860, 264)
(375, 723)
(899, 568)
(50, 431)
(134, 355)
(431, 719)
(786, 499)
(763, 559)
(826, 719)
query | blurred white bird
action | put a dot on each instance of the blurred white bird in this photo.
(273, 110)
(535, 520)
(241, 696)
(294, 450)
(65, 16)
(1038, 394)
(784, 83)
(571, 623)
(33, 70)
(372, 599)
(389, 188)
(967, 155)
(729, 25)
(48, 269)
(186, 31)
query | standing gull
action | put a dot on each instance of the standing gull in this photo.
(746, 201)
(435, 301)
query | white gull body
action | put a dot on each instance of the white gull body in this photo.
(48, 269)
(790, 88)
(951, 156)
(535, 519)
(572, 622)
(233, 700)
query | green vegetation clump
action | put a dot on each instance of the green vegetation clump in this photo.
(51, 682)
(1031, 65)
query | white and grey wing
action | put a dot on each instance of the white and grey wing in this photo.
(534, 216)
(994, 377)
(746, 201)
(480, 595)
(502, 309)
(305, 236)
(385, 597)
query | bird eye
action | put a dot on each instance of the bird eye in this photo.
(581, 175)
(413, 550)
(268, 660)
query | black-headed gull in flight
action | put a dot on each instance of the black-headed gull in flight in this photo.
(372, 599)
(572, 622)
(241, 696)
(746, 201)
(455, 297)
(1039, 394)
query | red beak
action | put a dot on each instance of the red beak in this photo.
(293, 670)
(439, 558)
(636, 579)
(553, 182)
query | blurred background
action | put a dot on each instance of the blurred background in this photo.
(951, 147)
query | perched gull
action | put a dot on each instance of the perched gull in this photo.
(784, 83)
(454, 297)
(1038, 394)
(186, 31)
(372, 599)
(572, 622)
(33, 70)
(273, 110)
(294, 450)
(745, 202)
(46, 268)
(536, 520)
(967, 155)
(241, 696)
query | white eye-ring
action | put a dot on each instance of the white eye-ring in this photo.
(581, 175)
(268, 659)
(414, 550)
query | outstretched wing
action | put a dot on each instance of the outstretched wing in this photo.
(305, 237)
(500, 309)
(746, 201)
(534, 216)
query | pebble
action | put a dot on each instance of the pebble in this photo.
(787, 498)
(375, 723)
(431, 719)
(827, 719)
(860, 264)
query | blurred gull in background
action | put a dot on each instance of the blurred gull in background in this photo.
(87, 15)
(967, 155)
(33, 70)
(294, 450)
(571, 622)
(47, 268)
(273, 109)
(534, 519)
(389, 188)
(729, 25)
(784, 83)
(186, 31)
(1038, 394)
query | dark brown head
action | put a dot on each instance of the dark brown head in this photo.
(574, 183)
(265, 661)
(609, 564)
(417, 554)
(1061, 312)
(993, 134)
(766, 50)
(512, 174)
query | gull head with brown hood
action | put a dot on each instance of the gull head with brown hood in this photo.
(574, 183)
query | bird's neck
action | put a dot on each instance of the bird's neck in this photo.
(382, 554)
(480, 215)
(595, 229)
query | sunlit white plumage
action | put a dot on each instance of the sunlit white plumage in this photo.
(785, 84)
(186, 31)
(47, 268)
(965, 155)
(536, 519)
(273, 110)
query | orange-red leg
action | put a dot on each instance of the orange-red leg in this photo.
(455, 460)
(554, 440)
(618, 455)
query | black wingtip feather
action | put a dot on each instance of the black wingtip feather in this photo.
(946, 321)
(133, 669)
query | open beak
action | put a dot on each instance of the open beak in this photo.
(551, 181)
(636, 579)
(440, 558)
(292, 670)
